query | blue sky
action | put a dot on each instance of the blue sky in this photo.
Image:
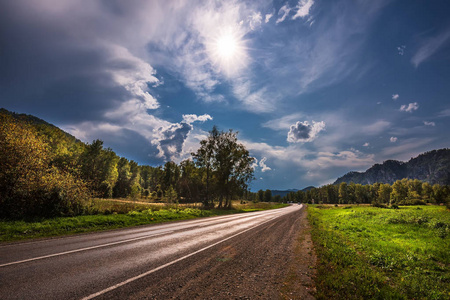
(315, 88)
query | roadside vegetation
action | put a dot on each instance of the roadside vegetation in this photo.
(401, 192)
(379, 253)
(112, 214)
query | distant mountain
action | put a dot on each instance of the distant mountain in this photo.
(308, 188)
(432, 167)
(282, 193)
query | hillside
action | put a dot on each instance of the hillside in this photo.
(432, 167)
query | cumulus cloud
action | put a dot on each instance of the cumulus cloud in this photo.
(410, 107)
(303, 7)
(170, 143)
(268, 17)
(304, 132)
(262, 164)
(191, 118)
(366, 144)
(395, 96)
(401, 49)
(429, 123)
(430, 47)
(283, 13)
(393, 139)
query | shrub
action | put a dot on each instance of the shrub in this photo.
(29, 185)
(378, 204)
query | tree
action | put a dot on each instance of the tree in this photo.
(260, 197)
(343, 193)
(384, 193)
(268, 196)
(227, 162)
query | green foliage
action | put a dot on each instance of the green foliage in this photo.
(29, 184)
(375, 253)
(402, 192)
(227, 166)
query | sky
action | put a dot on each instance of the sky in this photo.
(315, 88)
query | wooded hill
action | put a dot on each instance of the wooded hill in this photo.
(432, 167)
(45, 171)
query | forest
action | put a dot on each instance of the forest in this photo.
(401, 192)
(47, 172)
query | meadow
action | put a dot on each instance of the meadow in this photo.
(112, 214)
(377, 253)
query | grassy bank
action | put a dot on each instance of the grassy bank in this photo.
(376, 253)
(129, 215)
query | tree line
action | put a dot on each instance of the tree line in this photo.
(46, 172)
(401, 192)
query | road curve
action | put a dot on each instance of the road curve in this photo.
(151, 262)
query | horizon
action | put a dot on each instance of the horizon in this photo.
(315, 89)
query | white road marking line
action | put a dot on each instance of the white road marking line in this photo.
(248, 216)
(170, 263)
(138, 230)
(84, 249)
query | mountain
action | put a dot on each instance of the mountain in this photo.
(308, 188)
(282, 193)
(432, 167)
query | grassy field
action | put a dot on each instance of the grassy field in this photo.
(111, 214)
(375, 253)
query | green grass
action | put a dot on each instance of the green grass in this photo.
(375, 253)
(131, 216)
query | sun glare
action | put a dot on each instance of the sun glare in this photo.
(226, 46)
(227, 51)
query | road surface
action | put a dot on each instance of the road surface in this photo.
(241, 255)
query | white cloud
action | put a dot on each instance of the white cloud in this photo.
(191, 118)
(303, 7)
(375, 128)
(284, 12)
(393, 139)
(444, 113)
(256, 100)
(401, 49)
(268, 17)
(430, 47)
(395, 96)
(366, 144)
(407, 148)
(304, 132)
(255, 20)
(282, 123)
(410, 107)
(262, 164)
(429, 123)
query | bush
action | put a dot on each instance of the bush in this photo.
(29, 185)
(378, 204)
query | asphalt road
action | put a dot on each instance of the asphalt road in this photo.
(233, 256)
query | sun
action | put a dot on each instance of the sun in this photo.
(226, 46)
(227, 51)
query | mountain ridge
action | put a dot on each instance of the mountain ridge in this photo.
(432, 167)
